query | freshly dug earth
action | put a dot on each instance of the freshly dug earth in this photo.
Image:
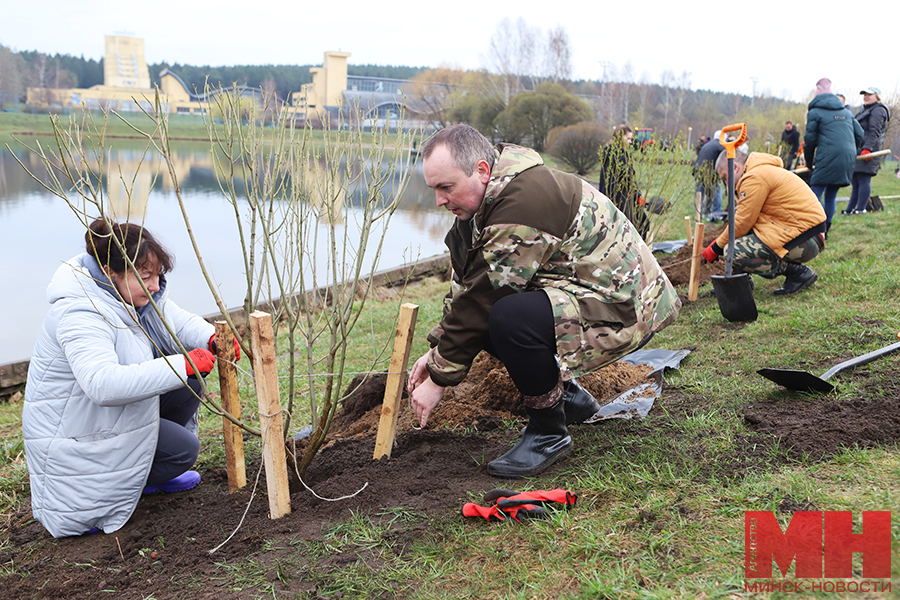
(678, 265)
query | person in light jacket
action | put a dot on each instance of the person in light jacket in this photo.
(111, 403)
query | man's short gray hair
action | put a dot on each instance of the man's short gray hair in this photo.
(467, 146)
(722, 161)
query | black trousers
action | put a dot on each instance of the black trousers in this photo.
(177, 448)
(522, 335)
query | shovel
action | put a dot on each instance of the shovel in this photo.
(802, 381)
(733, 292)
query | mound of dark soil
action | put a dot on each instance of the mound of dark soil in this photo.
(678, 265)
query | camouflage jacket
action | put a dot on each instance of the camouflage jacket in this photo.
(539, 228)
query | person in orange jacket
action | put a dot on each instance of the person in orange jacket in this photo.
(778, 223)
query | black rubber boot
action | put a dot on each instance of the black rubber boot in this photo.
(544, 441)
(578, 403)
(797, 277)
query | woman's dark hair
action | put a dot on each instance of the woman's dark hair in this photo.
(139, 244)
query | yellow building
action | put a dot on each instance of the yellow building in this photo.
(127, 87)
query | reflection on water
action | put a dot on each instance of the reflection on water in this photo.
(38, 231)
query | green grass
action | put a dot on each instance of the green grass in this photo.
(657, 515)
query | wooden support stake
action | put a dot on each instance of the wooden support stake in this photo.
(265, 372)
(393, 390)
(687, 224)
(698, 200)
(695, 261)
(231, 403)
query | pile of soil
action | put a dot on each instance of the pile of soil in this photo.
(678, 265)
(484, 401)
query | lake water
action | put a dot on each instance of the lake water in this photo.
(38, 231)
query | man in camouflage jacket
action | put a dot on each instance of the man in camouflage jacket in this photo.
(547, 275)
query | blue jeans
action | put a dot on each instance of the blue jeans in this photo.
(862, 189)
(711, 200)
(830, 201)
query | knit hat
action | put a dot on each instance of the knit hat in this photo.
(871, 90)
(823, 86)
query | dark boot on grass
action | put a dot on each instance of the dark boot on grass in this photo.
(797, 278)
(544, 441)
(578, 403)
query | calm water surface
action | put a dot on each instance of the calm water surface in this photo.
(38, 231)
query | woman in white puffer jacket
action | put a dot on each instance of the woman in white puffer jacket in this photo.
(107, 413)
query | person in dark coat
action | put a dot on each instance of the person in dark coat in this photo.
(618, 181)
(704, 171)
(790, 140)
(873, 118)
(830, 146)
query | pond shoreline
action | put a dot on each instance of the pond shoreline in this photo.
(14, 374)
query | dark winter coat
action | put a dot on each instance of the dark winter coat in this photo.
(791, 139)
(874, 120)
(832, 141)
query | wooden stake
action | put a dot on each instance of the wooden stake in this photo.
(687, 224)
(266, 374)
(698, 200)
(695, 261)
(393, 390)
(231, 403)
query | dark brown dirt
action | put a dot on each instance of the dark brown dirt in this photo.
(678, 265)
(164, 550)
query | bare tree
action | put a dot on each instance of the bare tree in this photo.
(667, 79)
(682, 87)
(511, 54)
(558, 55)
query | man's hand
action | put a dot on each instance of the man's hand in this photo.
(424, 398)
(711, 253)
(419, 373)
(864, 152)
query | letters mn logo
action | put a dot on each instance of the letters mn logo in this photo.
(815, 555)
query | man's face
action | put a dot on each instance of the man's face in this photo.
(459, 193)
(788, 126)
(723, 172)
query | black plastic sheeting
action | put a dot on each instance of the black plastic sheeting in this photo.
(638, 401)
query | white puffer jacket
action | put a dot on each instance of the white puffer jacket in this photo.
(91, 413)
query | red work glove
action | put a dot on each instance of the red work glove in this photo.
(712, 252)
(203, 358)
(641, 201)
(494, 514)
(864, 152)
(214, 350)
(509, 498)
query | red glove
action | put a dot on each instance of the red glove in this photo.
(494, 514)
(506, 499)
(641, 201)
(203, 358)
(711, 253)
(214, 350)
(864, 152)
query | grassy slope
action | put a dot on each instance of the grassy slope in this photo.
(656, 517)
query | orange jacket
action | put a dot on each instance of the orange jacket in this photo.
(773, 202)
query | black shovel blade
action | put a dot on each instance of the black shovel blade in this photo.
(735, 296)
(800, 381)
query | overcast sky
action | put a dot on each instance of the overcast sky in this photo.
(724, 46)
